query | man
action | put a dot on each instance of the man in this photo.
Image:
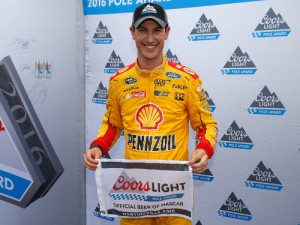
(153, 100)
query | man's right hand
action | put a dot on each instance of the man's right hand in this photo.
(90, 158)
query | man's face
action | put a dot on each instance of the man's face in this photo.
(150, 38)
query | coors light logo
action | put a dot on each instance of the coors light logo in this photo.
(267, 103)
(102, 35)
(239, 64)
(263, 178)
(271, 25)
(236, 137)
(235, 208)
(204, 30)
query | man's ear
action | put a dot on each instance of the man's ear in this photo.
(132, 31)
(167, 32)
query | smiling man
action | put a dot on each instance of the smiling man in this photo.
(153, 100)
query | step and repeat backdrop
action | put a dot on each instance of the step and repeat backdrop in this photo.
(247, 54)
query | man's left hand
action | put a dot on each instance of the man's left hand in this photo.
(198, 161)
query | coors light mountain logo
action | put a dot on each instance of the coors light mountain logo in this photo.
(113, 64)
(172, 58)
(236, 137)
(235, 208)
(211, 103)
(263, 178)
(267, 103)
(101, 95)
(205, 176)
(204, 30)
(239, 64)
(102, 35)
(271, 25)
(198, 223)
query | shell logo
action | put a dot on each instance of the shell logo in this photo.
(149, 116)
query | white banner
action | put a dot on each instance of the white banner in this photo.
(139, 188)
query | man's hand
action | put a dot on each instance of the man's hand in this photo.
(90, 158)
(198, 161)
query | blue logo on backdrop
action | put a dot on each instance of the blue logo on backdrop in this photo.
(211, 103)
(205, 176)
(236, 137)
(272, 25)
(172, 58)
(239, 64)
(114, 63)
(102, 35)
(235, 209)
(98, 214)
(204, 30)
(263, 178)
(267, 104)
(101, 95)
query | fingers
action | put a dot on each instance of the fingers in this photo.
(90, 158)
(88, 164)
(198, 161)
(200, 168)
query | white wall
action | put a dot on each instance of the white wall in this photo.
(50, 30)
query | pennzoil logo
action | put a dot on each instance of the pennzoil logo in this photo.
(102, 35)
(271, 25)
(149, 116)
(204, 30)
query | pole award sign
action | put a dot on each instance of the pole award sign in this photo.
(29, 165)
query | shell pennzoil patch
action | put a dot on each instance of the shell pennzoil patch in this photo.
(149, 116)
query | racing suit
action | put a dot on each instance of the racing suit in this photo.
(154, 109)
